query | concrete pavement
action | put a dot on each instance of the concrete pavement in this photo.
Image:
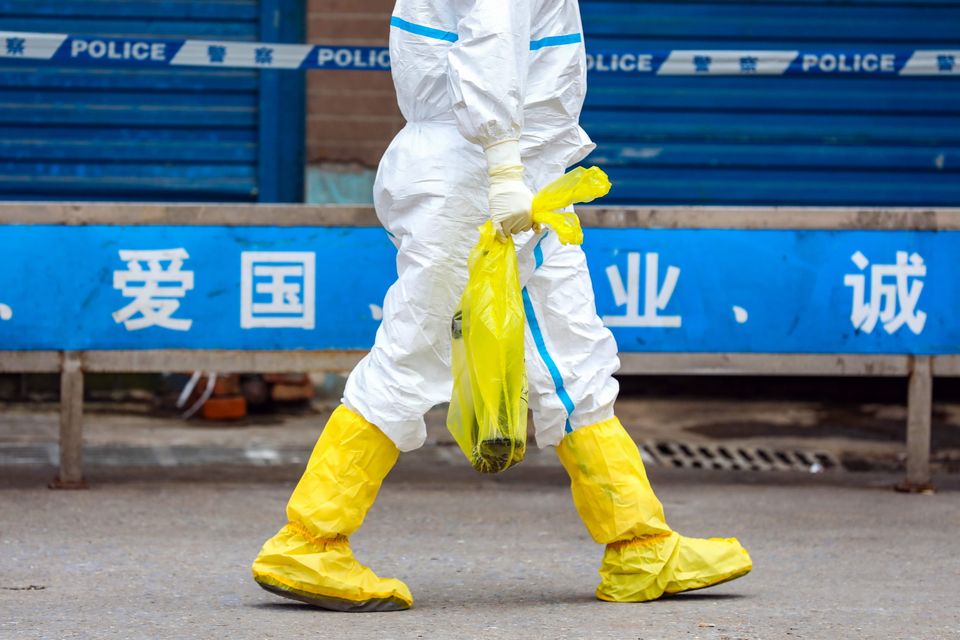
(165, 553)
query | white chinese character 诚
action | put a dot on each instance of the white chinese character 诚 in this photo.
(277, 289)
(655, 298)
(155, 290)
(894, 293)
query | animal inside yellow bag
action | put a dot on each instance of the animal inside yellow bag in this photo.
(488, 407)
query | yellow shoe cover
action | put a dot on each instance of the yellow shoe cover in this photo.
(324, 573)
(310, 559)
(644, 558)
(646, 568)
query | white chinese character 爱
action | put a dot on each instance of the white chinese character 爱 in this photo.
(894, 293)
(156, 290)
(277, 289)
(655, 298)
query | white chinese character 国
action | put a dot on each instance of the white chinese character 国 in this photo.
(277, 289)
(156, 290)
(893, 293)
(655, 297)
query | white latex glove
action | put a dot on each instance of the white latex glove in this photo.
(509, 198)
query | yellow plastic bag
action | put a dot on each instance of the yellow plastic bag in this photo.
(574, 187)
(488, 408)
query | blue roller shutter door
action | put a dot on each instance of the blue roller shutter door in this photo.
(807, 140)
(186, 134)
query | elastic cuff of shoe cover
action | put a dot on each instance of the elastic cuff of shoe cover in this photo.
(611, 422)
(503, 154)
(321, 542)
(642, 541)
(406, 435)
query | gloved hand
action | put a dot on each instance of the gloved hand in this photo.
(509, 198)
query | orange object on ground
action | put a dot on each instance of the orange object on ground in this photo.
(224, 408)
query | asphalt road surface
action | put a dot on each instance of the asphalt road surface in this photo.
(161, 553)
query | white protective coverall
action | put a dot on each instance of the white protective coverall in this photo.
(470, 74)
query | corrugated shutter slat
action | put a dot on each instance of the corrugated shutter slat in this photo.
(803, 140)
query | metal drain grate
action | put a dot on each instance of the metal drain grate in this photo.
(713, 456)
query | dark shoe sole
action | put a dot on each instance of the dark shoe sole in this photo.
(375, 605)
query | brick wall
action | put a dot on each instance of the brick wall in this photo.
(351, 115)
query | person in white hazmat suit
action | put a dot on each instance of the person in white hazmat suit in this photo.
(491, 91)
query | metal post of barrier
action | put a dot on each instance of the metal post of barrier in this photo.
(71, 423)
(919, 425)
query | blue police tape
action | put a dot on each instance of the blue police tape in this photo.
(99, 51)
(659, 290)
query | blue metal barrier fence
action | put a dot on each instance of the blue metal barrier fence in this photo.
(686, 290)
